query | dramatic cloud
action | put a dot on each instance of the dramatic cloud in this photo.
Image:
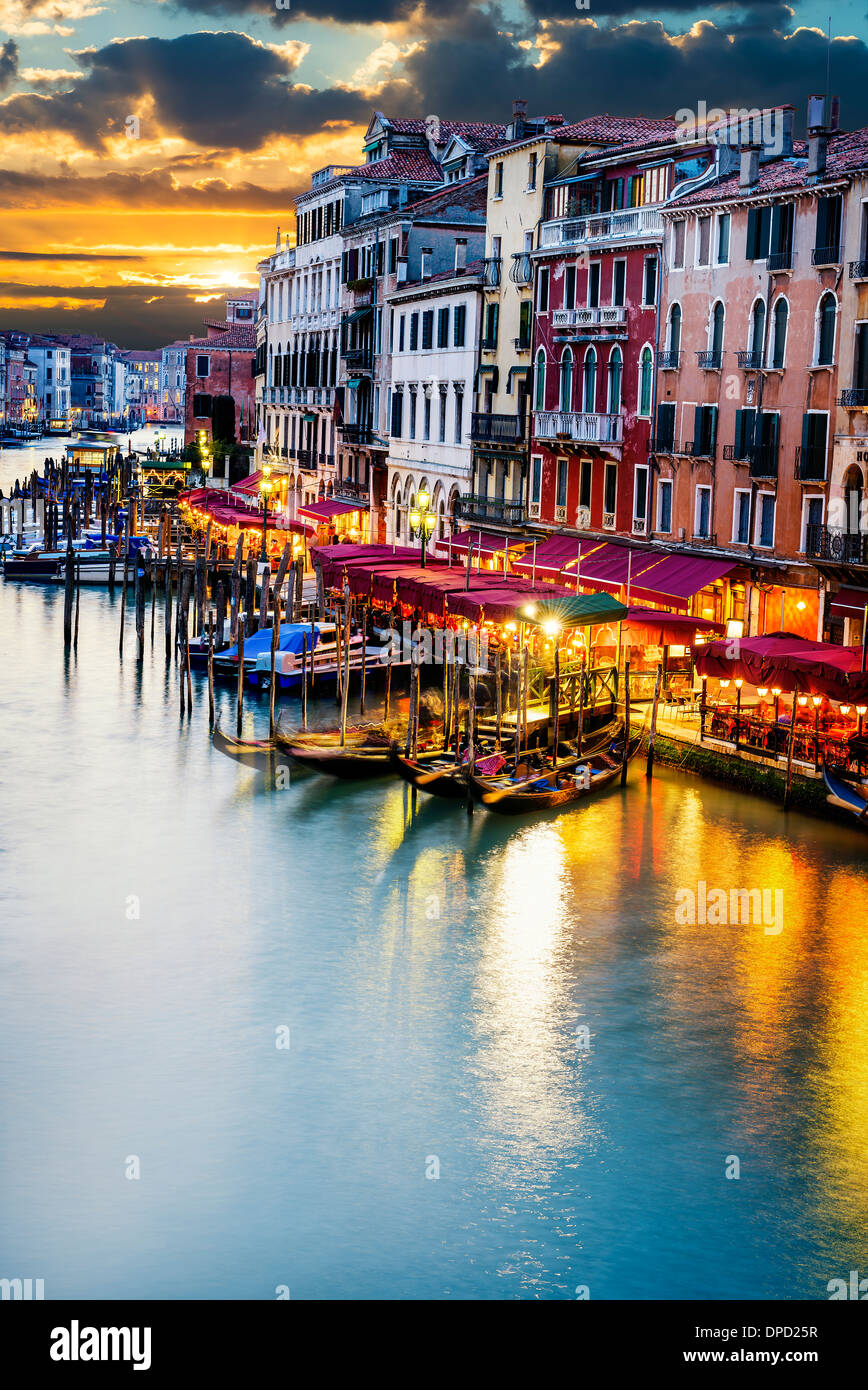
(30, 17)
(8, 63)
(152, 189)
(132, 316)
(213, 89)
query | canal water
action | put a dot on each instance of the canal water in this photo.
(436, 1126)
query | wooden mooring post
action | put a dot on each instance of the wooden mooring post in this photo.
(653, 734)
(240, 693)
(625, 755)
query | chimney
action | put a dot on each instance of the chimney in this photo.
(818, 134)
(427, 256)
(519, 117)
(460, 253)
(749, 173)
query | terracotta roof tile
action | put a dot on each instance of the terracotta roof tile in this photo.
(238, 338)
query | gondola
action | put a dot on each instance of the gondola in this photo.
(354, 762)
(444, 777)
(846, 796)
(507, 797)
(259, 754)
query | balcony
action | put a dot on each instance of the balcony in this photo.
(607, 316)
(579, 427)
(602, 227)
(359, 359)
(859, 270)
(780, 260)
(348, 490)
(306, 458)
(826, 255)
(496, 429)
(811, 463)
(698, 449)
(662, 444)
(763, 459)
(356, 434)
(832, 543)
(521, 344)
(750, 360)
(668, 359)
(521, 270)
(710, 360)
(491, 272)
(856, 398)
(733, 454)
(488, 344)
(486, 509)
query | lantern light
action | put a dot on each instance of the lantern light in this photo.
(845, 709)
(724, 685)
(762, 691)
(861, 709)
(739, 683)
(803, 699)
(816, 700)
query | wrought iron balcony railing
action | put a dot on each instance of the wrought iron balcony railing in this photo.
(855, 397)
(839, 546)
(780, 260)
(669, 359)
(811, 463)
(750, 359)
(496, 429)
(356, 434)
(826, 255)
(710, 360)
(474, 507)
(859, 270)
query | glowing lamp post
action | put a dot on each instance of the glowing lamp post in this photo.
(265, 487)
(422, 521)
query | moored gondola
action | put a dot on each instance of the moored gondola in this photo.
(509, 797)
(846, 796)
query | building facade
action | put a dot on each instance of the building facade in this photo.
(435, 328)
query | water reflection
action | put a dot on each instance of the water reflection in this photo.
(434, 969)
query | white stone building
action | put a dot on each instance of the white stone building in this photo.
(434, 327)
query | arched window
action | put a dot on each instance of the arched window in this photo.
(541, 380)
(396, 515)
(646, 371)
(717, 318)
(589, 386)
(782, 314)
(675, 328)
(826, 336)
(616, 375)
(566, 398)
(758, 326)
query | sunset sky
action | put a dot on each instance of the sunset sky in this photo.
(238, 102)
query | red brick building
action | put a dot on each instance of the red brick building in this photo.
(221, 387)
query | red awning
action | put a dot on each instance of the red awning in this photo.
(850, 603)
(553, 554)
(483, 542)
(762, 660)
(649, 627)
(249, 484)
(329, 508)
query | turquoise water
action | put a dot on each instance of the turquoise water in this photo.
(163, 913)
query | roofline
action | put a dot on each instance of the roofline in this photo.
(425, 288)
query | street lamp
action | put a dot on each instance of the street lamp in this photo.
(265, 487)
(422, 521)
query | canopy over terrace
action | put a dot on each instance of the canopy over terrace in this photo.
(211, 503)
(442, 590)
(485, 545)
(652, 576)
(783, 662)
(328, 509)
